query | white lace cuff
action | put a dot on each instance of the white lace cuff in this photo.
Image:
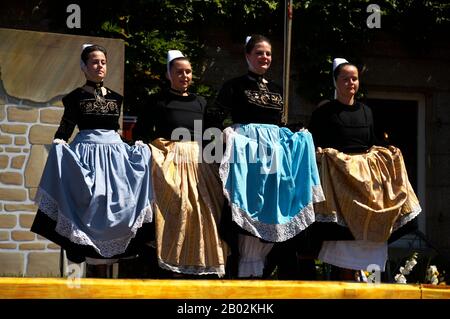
(139, 143)
(59, 141)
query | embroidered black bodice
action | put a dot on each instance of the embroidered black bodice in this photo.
(89, 111)
(168, 111)
(250, 99)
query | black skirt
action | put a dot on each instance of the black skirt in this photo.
(45, 226)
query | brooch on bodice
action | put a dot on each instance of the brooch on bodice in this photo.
(100, 107)
(265, 99)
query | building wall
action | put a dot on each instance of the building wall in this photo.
(390, 67)
(37, 69)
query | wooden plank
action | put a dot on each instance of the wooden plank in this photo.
(435, 292)
(56, 288)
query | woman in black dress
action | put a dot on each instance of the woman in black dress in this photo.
(188, 193)
(367, 191)
(95, 193)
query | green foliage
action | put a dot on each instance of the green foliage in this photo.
(322, 30)
(151, 28)
(327, 29)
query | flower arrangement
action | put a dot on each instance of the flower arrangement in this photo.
(432, 275)
(410, 263)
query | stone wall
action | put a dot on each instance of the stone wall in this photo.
(25, 132)
(29, 119)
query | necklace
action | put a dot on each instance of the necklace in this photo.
(98, 93)
(178, 92)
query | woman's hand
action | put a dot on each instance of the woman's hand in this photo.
(139, 143)
(59, 141)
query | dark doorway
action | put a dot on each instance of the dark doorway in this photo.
(396, 122)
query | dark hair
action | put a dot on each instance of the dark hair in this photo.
(89, 49)
(254, 39)
(177, 59)
(339, 68)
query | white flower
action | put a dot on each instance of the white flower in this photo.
(432, 275)
(433, 269)
(410, 264)
(400, 279)
(403, 271)
(434, 280)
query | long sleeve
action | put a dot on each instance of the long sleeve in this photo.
(248, 99)
(374, 139)
(219, 114)
(315, 128)
(68, 120)
(144, 129)
(343, 127)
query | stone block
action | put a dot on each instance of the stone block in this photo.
(2, 111)
(32, 193)
(32, 246)
(11, 178)
(22, 235)
(13, 194)
(26, 220)
(42, 134)
(4, 235)
(13, 128)
(43, 264)
(53, 246)
(20, 141)
(4, 160)
(8, 246)
(20, 208)
(8, 221)
(12, 264)
(17, 161)
(13, 149)
(35, 165)
(5, 140)
(51, 116)
(22, 114)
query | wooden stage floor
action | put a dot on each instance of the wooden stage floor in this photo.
(63, 288)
